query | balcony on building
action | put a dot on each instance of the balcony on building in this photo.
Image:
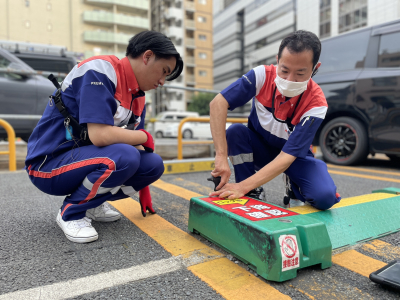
(189, 5)
(104, 18)
(106, 37)
(174, 32)
(189, 61)
(173, 13)
(120, 55)
(189, 79)
(127, 5)
(190, 43)
(190, 24)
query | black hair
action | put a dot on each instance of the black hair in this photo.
(161, 46)
(300, 41)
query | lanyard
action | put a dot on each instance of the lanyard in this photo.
(288, 121)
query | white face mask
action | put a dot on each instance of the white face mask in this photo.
(290, 88)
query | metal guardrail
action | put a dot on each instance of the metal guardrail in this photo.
(28, 72)
(20, 117)
(204, 120)
(11, 145)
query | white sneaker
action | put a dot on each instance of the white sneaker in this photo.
(78, 231)
(103, 213)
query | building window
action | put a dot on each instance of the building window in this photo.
(202, 37)
(324, 18)
(202, 73)
(204, 2)
(352, 14)
(201, 19)
(202, 55)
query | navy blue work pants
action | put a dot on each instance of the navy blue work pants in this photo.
(309, 176)
(91, 175)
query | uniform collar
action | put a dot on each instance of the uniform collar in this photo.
(132, 85)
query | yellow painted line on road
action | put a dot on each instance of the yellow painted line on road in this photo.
(223, 275)
(308, 209)
(175, 190)
(382, 249)
(188, 167)
(364, 176)
(217, 275)
(363, 170)
(232, 282)
(357, 262)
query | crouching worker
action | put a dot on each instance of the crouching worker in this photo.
(288, 107)
(105, 95)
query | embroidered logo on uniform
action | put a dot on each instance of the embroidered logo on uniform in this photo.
(97, 83)
(247, 79)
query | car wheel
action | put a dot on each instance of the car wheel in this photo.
(187, 134)
(159, 135)
(344, 141)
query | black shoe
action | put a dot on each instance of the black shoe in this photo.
(257, 193)
(289, 194)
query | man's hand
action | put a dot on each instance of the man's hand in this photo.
(149, 144)
(231, 191)
(221, 169)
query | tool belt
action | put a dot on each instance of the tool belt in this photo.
(79, 132)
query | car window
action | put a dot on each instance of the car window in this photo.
(180, 117)
(51, 65)
(4, 63)
(344, 53)
(169, 117)
(389, 50)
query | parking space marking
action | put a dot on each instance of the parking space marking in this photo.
(363, 170)
(175, 190)
(317, 290)
(94, 283)
(233, 283)
(364, 176)
(308, 209)
(382, 249)
(357, 262)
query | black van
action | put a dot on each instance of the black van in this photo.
(360, 77)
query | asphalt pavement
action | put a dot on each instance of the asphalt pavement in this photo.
(157, 258)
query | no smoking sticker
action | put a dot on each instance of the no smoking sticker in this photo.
(289, 251)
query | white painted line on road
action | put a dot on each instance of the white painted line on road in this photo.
(90, 284)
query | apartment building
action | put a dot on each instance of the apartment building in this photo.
(90, 27)
(189, 25)
(247, 33)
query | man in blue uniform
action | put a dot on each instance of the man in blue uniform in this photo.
(288, 107)
(106, 95)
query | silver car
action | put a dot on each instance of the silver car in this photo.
(21, 95)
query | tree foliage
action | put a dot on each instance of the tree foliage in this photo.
(201, 103)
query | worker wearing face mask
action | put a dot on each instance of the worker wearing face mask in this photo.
(287, 109)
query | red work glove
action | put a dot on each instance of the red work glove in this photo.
(145, 201)
(149, 145)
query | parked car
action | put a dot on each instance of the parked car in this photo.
(360, 77)
(46, 62)
(167, 118)
(195, 130)
(21, 94)
(190, 130)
